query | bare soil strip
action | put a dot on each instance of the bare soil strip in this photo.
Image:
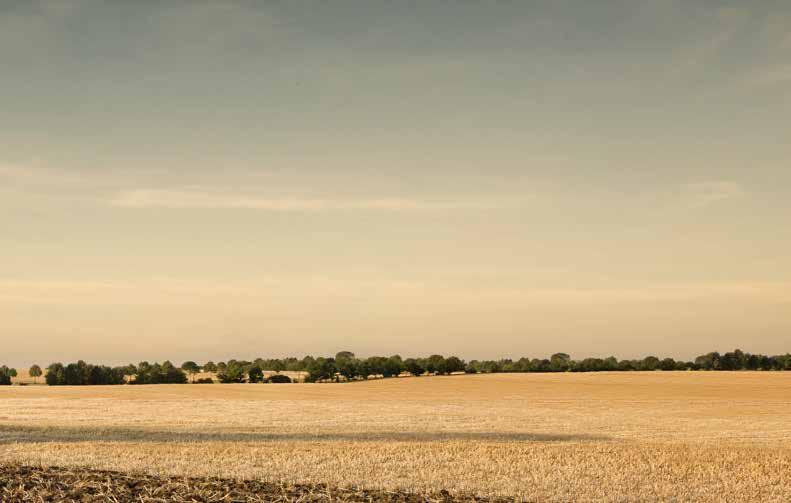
(24, 484)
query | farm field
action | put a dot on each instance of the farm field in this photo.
(647, 436)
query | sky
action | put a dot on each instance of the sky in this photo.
(207, 180)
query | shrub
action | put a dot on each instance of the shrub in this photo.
(5, 375)
(279, 378)
(204, 380)
(255, 374)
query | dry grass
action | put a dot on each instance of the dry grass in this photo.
(618, 436)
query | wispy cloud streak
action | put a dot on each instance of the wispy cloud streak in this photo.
(701, 194)
(197, 199)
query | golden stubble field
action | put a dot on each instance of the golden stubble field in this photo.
(685, 436)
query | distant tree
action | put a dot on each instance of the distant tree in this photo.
(393, 366)
(560, 362)
(55, 375)
(255, 374)
(341, 355)
(650, 363)
(35, 372)
(348, 367)
(730, 361)
(588, 365)
(73, 375)
(277, 365)
(523, 365)
(453, 364)
(190, 368)
(293, 364)
(81, 373)
(129, 370)
(321, 369)
(172, 375)
(435, 363)
(5, 375)
(667, 364)
(489, 367)
(165, 373)
(413, 367)
(209, 367)
(537, 365)
(233, 372)
(709, 361)
(611, 363)
(305, 363)
(765, 363)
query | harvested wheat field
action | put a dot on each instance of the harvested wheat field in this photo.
(682, 436)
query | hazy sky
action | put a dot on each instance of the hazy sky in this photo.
(195, 180)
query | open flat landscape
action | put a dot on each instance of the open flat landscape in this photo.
(686, 436)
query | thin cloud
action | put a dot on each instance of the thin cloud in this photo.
(202, 199)
(34, 175)
(278, 290)
(702, 194)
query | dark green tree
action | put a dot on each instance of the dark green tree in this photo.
(650, 363)
(341, 355)
(35, 372)
(560, 362)
(255, 374)
(321, 369)
(233, 372)
(5, 375)
(414, 367)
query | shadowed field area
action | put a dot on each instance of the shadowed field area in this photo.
(635, 436)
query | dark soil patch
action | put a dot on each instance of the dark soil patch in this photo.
(28, 484)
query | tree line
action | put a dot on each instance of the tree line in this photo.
(345, 366)
(81, 373)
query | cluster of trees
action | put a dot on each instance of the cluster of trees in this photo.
(155, 373)
(561, 362)
(739, 360)
(5, 375)
(81, 373)
(242, 370)
(346, 366)
(343, 366)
